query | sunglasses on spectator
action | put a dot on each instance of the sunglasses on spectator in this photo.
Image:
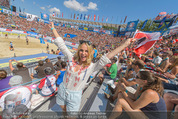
(85, 41)
(137, 77)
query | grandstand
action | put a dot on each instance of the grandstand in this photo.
(94, 103)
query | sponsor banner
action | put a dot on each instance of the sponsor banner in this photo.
(32, 34)
(31, 17)
(6, 11)
(80, 28)
(22, 15)
(2, 29)
(45, 17)
(71, 44)
(108, 32)
(12, 31)
(85, 28)
(90, 29)
(47, 22)
(1, 9)
(96, 30)
(24, 61)
(67, 35)
(131, 26)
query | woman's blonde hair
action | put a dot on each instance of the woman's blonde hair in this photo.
(153, 82)
(90, 55)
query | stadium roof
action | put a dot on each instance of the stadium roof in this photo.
(89, 22)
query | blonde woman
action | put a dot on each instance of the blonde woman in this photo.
(79, 68)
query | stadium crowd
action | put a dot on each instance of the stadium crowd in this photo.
(159, 67)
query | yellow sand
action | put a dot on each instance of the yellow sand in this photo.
(20, 47)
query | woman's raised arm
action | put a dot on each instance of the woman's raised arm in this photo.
(53, 30)
(59, 42)
(120, 48)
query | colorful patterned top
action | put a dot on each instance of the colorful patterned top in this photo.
(76, 81)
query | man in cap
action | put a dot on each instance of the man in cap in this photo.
(57, 65)
(49, 64)
(21, 70)
(47, 86)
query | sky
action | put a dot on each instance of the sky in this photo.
(114, 10)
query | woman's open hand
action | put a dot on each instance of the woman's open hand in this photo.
(129, 41)
(51, 25)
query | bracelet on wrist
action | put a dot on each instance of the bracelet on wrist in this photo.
(175, 79)
(126, 91)
(52, 28)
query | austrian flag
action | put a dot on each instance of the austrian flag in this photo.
(145, 41)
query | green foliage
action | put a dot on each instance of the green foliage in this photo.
(151, 26)
(109, 28)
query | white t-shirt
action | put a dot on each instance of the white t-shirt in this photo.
(157, 60)
(15, 101)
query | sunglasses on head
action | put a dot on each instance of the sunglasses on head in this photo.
(85, 41)
(137, 77)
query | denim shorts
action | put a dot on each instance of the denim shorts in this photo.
(71, 99)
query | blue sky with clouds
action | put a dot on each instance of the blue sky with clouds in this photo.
(115, 10)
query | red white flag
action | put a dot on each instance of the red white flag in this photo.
(62, 14)
(106, 19)
(102, 18)
(145, 41)
(98, 17)
(94, 17)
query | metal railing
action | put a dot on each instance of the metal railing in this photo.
(31, 66)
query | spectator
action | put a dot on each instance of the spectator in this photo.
(57, 65)
(148, 98)
(21, 70)
(47, 47)
(27, 40)
(52, 51)
(57, 52)
(60, 73)
(47, 86)
(111, 72)
(138, 65)
(4, 81)
(11, 47)
(6, 35)
(157, 59)
(162, 67)
(171, 101)
(49, 64)
(39, 70)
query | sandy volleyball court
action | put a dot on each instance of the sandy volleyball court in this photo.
(20, 47)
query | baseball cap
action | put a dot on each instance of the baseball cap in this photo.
(15, 80)
(47, 70)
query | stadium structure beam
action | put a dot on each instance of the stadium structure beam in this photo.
(89, 22)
